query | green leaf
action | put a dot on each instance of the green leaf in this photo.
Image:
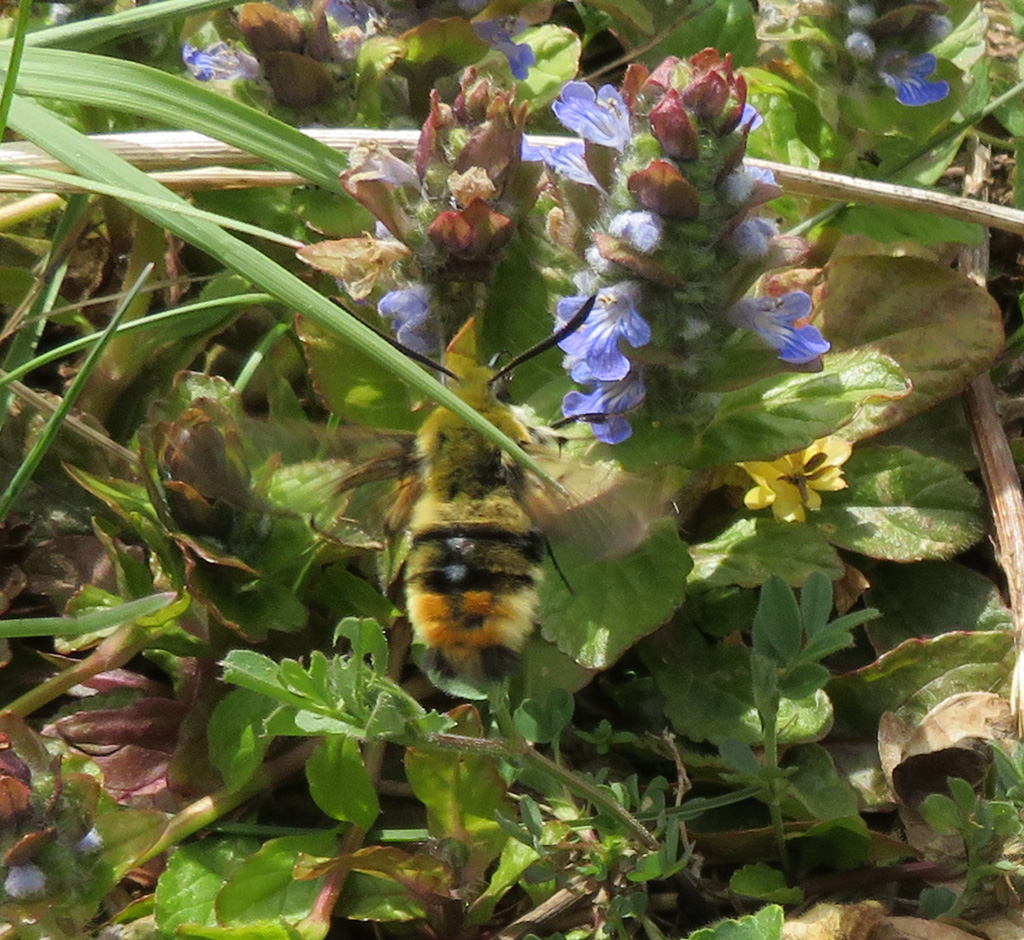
(236, 735)
(709, 696)
(815, 603)
(614, 603)
(814, 789)
(940, 328)
(750, 551)
(188, 887)
(98, 30)
(263, 930)
(630, 11)
(784, 413)
(173, 101)
(557, 59)
(765, 883)
(449, 41)
(766, 924)
(740, 758)
(264, 887)
(911, 679)
(259, 673)
(103, 619)
(543, 722)
(804, 680)
(888, 224)
(462, 793)
(340, 784)
(902, 506)
(931, 598)
(777, 630)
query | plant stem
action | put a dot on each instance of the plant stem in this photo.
(208, 808)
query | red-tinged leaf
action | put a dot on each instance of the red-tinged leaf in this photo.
(941, 329)
(916, 676)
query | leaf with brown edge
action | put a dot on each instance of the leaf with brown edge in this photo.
(941, 329)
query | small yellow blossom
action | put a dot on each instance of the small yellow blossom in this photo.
(795, 481)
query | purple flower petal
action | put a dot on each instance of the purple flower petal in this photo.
(600, 117)
(776, 321)
(219, 62)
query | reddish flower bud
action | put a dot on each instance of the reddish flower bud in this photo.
(428, 147)
(14, 799)
(707, 95)
(471, 233)
(633, 82)
(661, 78)
(496, 145)
(663, 189)
(673, 127)
(268, 29)
(616, 250)
(297, 80)
(732, 116)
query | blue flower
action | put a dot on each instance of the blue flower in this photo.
(567, 160)
(600, 117)
(642, 230)
(752, 238)
(908, 77)
(219, 62)
(594, 347)
(409, 309)
(604, 406)
(520, 56)
(777, 321)
(25, 881)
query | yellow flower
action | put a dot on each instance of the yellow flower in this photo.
(795, 481)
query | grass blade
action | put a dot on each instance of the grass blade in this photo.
(91, 622)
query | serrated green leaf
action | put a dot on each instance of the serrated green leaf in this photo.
(462, 793)
(750, 551)
(615, 602)
(709, 696)
(902, 506)
(766, 924)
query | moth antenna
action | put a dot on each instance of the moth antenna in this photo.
(596, 418)
(558, 567)
(553, 340)
(401, 347)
